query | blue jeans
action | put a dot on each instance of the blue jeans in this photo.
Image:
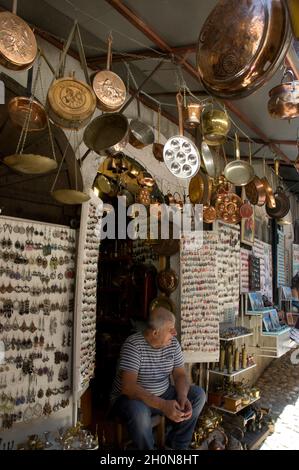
(137, 416)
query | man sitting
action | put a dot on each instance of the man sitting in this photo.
(142, 387)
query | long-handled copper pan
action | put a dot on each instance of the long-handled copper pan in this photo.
(255, 191)
(238, 172)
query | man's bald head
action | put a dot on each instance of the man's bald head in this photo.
(159, 317)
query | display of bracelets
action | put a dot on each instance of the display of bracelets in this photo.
(36, 295)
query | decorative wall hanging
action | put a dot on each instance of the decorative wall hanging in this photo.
(36, 319)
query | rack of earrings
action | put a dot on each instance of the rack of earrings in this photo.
(199, 301)
(86, 291)
(36, 318)
(228, 269)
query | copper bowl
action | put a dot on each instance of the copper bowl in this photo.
(21, 108)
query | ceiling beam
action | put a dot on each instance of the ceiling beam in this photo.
(142, 26)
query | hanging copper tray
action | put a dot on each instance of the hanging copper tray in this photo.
(228, 208)
(241, 45)
(30, 164)
(18, 48)
(19, 111)
(71, 103)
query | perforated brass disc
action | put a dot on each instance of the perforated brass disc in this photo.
(30, 164)
(70, 196)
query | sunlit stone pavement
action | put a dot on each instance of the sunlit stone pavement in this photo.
(279, 386)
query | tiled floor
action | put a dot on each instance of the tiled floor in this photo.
(279, 386)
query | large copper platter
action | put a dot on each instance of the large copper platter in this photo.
(71, 103)
(241, 45)
(18, 48)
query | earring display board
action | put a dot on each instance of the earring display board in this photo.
(281, 277)
(37, 273)
(263, 251)
(86, 293)
(199, 302)
(244, 270)
(295, 264)
(228, 269)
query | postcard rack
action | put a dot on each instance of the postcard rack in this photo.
(272, 338)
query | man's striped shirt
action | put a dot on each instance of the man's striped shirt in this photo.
(153, 365)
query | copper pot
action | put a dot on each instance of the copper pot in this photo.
(284, 99)
(215, 126)
(282, 205)
(232, 63)
(108, 131)
(192, 114)
(255, 192)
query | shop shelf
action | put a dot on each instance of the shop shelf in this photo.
(235, 412)
(236, 337)
(233, 374)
